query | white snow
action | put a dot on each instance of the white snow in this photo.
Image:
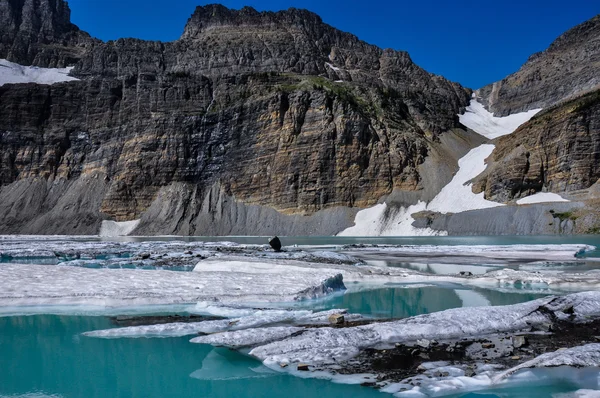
(382, 220)
(483, 122)
(541, 197)
(15, 73)
(116, 228)
(458, 195)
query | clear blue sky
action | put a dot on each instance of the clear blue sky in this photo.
(472, 42)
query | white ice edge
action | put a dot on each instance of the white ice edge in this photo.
(328, 346)
(12, 73)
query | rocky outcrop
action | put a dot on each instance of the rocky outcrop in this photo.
(261, 115)
(569, 67)
(40, 32)
(557, 151)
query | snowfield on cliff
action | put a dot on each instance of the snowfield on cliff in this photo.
(12, 73)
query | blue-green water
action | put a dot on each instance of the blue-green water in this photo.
(47, 354)
(405, 301)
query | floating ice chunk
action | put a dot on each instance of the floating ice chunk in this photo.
(227, 365)
(564, 252)
(541, 197)
(578, 394)
(11, 72)
(458, 195)
(35, 285)
(114, 228)
(582, 356)
(483, 122)
(248, 337)
(510, 277)
(327, 345)
(257, 319)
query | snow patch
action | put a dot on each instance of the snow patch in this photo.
(116, 228)
(11, 73)
(483, 122)
(541, 197)
(458, 195)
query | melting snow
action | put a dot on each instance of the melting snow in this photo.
(115, 228)
(541, 197)
(483, 122)
(457, 196)
(15, 73)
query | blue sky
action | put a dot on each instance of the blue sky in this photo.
(472, 42)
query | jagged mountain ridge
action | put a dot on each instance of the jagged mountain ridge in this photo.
(184, 133)
(559, 149)
(570, 66)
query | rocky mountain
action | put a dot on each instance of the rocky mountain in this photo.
(559, 149)
(252, 122)
(569, 67)
(40, 33)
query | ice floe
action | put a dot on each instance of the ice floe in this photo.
(582, 356)
(548, 252)
(328, 346)
(11, 72)
(226, 281)
(258, 318)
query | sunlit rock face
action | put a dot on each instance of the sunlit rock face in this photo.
(271, 111)
(570, 66)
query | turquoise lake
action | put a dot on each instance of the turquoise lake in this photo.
(46, 355)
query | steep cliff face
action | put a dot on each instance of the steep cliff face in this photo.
(40, 32)
(270, 111)
(569, 67)
(557, 151)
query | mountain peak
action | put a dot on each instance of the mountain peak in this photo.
(217, 15)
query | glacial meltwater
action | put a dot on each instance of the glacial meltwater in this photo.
(44, 355)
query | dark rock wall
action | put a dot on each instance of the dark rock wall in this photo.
(569, 67)
(557, 151)
(244, 100)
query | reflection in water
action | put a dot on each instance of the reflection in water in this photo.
(47, 353)
(409, 300)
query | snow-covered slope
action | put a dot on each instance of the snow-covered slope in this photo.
(115, 228)
(15, 73)
(483, 122)
(457, 196)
